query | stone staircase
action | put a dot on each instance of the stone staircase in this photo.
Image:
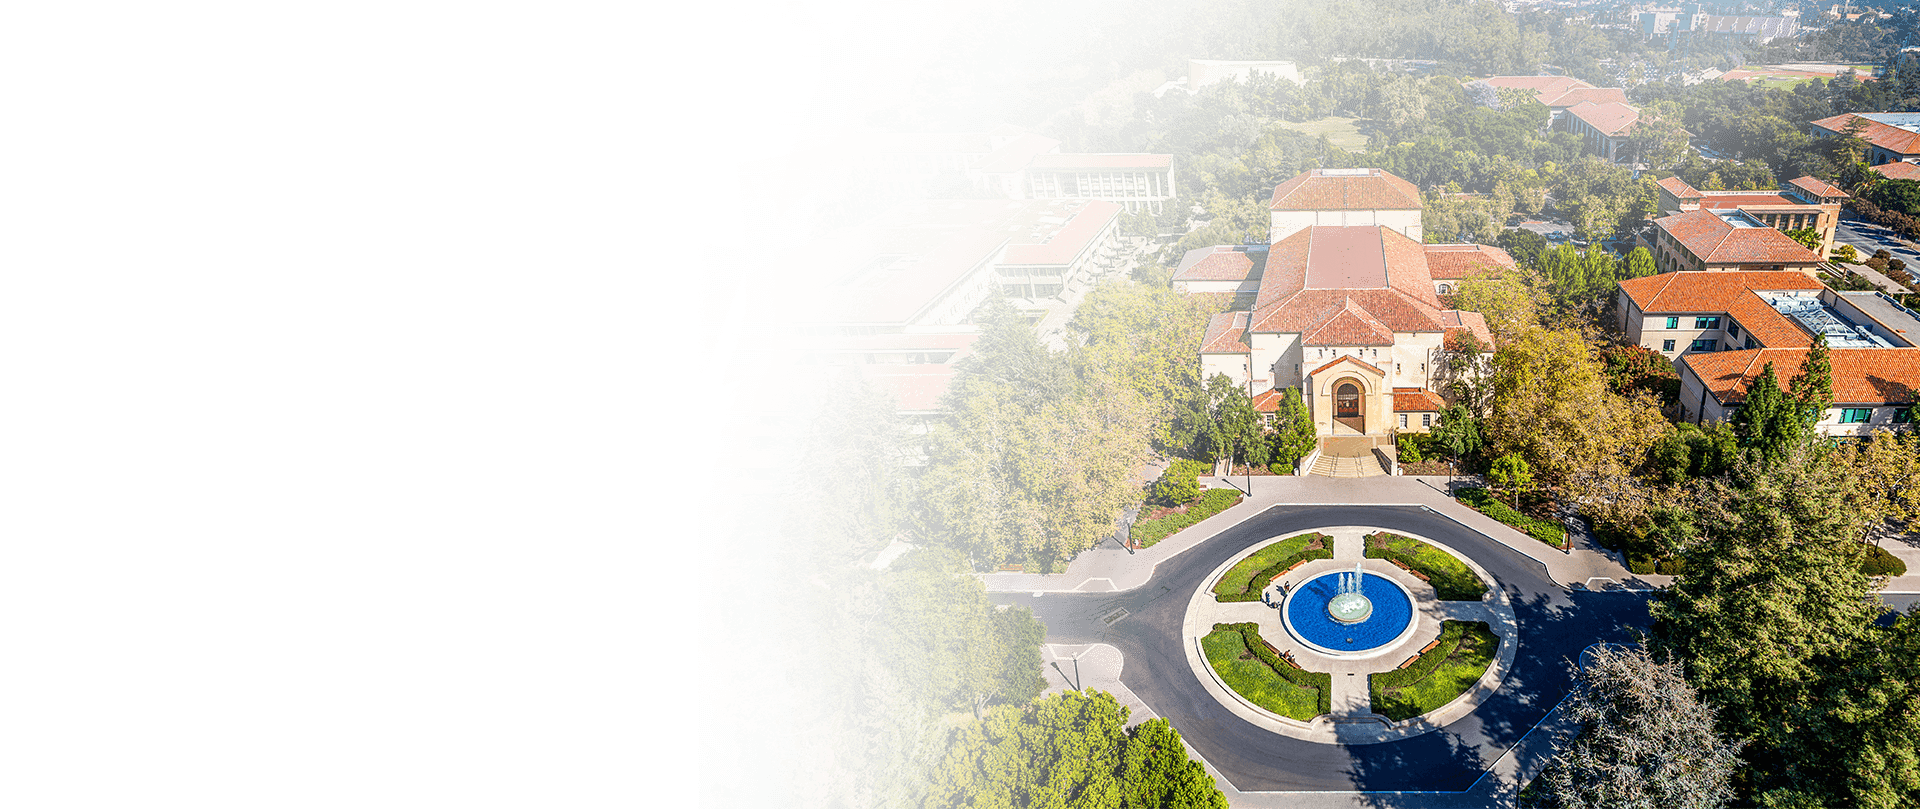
(1363, 466)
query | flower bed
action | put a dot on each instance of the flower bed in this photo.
(1167, 522)
(1248, 577)
(1439, 675)
(1480, 500)
(1452, 580)
(1249, 666)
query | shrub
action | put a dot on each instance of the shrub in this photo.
(1439, 676)
(1480, 500)
(1881, 563)
(1415, 447)
(1247, 578)
(1179, 484)
(1147, 532)
(1452, 580)
(1320, 683)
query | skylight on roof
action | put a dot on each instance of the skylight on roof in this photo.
(1345, 172)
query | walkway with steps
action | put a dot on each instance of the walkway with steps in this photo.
(1348, 457)
(1333, 466)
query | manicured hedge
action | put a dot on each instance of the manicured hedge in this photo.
(1249, 576)
(1248, 666)
(1439, 676)
(1147, 532)
(1480, 500)
(1452, 580)
(1881, 563)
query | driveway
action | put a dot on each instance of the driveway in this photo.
(1869, 237)
(1144, 624)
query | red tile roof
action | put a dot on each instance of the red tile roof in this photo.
(1268, 401)
(1470, 322)
(1349, 326)
(1345, 190)
(1721, 200)
(1016, 154)
(1416, 400)
(1222, 263)
(1611, 118)
(1226, 334)
(1707, 291)
(1355, 360)
(1447, 262)
(1714, 241)
(1899, 171)
(915, 388)
(1678, 188)
(1891, 138)
(1073, 238)
(1860, 375)
(1768, 327)
(1816, 187)
(1596, 95)
(931, 264)
(1538, 83)
(1102, 161)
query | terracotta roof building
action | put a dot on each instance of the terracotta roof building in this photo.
(1873, 388)
(1800, 203)
(1557, 93)
(1345, 198)
(1684, 314)
(1724, 239)
(1344, 307)
(1604, 127)
(1898, 171)
(1893, 137)
(1449, 264)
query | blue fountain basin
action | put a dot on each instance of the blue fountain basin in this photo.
(1308, 619)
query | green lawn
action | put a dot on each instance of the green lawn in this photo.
(1259, 677)
(1452, 580)
(1341, 132)
(1439, 676)
(1245, 580)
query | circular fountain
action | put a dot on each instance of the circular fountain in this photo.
(1349, 613)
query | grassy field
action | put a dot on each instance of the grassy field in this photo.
(1342, 132)
(1452, 580)
(1439, 676)
(1240, 579)
(1257, 680)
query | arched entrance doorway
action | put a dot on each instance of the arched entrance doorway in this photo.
(1346, 407)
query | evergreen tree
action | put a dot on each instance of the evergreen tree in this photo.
(1644, 739)
(1768, 422)
(1640, 263)
(1812, 388)
(1458, 432)
(1294, 435)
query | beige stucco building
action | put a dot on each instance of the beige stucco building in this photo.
(1348, 313)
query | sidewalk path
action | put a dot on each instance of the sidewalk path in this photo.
(1112, 569)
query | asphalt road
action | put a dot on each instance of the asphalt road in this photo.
(1555, 624)
(1868, 237)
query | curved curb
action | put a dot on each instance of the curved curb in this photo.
(1496, 610)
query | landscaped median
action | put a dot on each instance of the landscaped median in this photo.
(1484, 502)
(1251, 667)
(1248, 577)
(1147, 532)
(1442, 672)
(1452, 580)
